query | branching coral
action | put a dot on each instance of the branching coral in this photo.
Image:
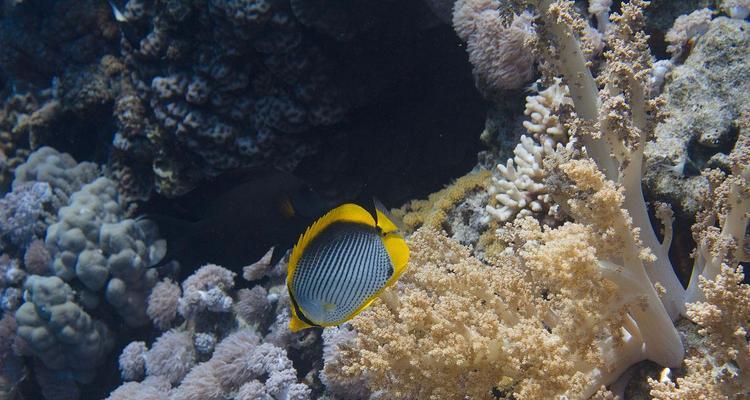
(720, 298)
(721, 228)
(519, 190)
(613, 124)
(722, 369)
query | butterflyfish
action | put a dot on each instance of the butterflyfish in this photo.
(341, 264)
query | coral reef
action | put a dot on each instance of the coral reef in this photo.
(551, 270)
(57, 36)
(704, 96)
(22, 213)
(94, 243)
(64, 175)
(481, 321)
(237, 95)
(221, 351)
(59, 332)
(454, 349)
(497, 49)
(14, 142)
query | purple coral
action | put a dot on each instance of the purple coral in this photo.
(23, 212)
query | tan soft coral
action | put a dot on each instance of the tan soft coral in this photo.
(721, 370)
(719, 366)
(540, 321)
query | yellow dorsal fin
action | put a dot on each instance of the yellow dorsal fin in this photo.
(394, 244)
(397, 249)
(343, 213)
(385, 223)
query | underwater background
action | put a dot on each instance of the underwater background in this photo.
(571, 178)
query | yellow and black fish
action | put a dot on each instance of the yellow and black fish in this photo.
(341, 264)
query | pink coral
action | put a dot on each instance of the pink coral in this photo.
(206, 290)
(133, 361)
(238, 364)
(498, 52)
(252, 304)
(163, 302)
(37, 259)
(171, 356)
(152, 388)
(465, 14)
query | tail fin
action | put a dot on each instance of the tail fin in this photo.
(177, 233)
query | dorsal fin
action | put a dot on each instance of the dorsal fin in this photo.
(394, 223)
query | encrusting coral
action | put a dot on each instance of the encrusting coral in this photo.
(687, 28)
(433, 212)
(60, 332)
(95, 244)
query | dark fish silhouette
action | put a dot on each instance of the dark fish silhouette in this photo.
(232, 220)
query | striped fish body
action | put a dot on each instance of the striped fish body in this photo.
(341, 265)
